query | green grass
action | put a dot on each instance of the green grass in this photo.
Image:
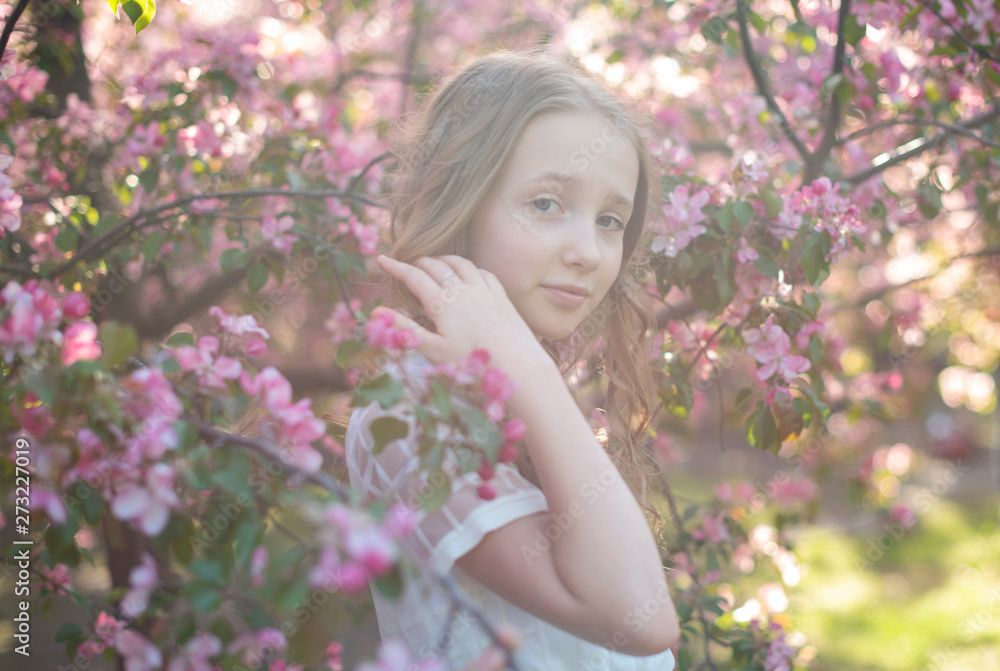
(931, 601)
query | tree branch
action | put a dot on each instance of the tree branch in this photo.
(916, 121)
(975, 47)
(814, 165)
(132, 223)
(975, 122)
(762, 87)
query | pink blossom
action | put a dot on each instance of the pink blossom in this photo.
(787, 492)
(145, 140)
(769, 345)
(395, 655)
(76, 305)
(211, 370)
(24, 326)
(255, 347)
(41, 497)
(258, 646)
(282, 665)
(239, 326)
(139, 653)
(333, 660)
(381, 332)
(150, 504)
(400, 520)
(258, 563)
(779, 655)
(713, 529)
(745, 253)
(147, 394)
(80, 343)
(374, 548)
(274, 229)
(682, 221)
(196, 652)
(498, 389)
(57, 578)
(802, 337)
(142, 580)
(108, 628)
(90, 648)
(31, 414)
(904, 515)
(366, 235)
(341, 323)
(486, 491)
(514, 430)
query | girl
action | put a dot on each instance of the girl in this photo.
(517, 209)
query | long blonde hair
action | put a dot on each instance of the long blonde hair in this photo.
(456, 148)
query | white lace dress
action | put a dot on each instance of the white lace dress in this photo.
(420, 616)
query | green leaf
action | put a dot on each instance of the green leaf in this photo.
(118, 342)
(391, 584)
(257, 275)
(742, 395)
(766, 265)
(247, 535)
(235, 477)
(233, 258)
(150, 177)
(387, 429)
(68, 631)
(441, 398)
(203, 597)
(743, 211)
(210, 570)
(683, 659)
(440, 489)
(814, 262)
(724, 277)
(725, 219)
(853, 31)
(714, 28)
(482, 431)
(151, 245)
(765, 430)
(113, 4)
(140, 12)
(385, 389)
(66, 239)
(180, 339)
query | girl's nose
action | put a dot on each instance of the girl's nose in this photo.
(582, 246)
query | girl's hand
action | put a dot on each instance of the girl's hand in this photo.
(469, 307)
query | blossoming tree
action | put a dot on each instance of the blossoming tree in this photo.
(187, 223)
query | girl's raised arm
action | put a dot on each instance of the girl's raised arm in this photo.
(601, 574)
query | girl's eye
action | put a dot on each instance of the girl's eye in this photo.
(545, 205)
(612, 223)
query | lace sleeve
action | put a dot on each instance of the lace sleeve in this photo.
(451, 531)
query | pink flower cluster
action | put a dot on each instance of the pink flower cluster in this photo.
(682, 221)
(212, 370)
(357, 548)
(769, 344)
(299, 425)
(382, 332)
(242, 327)
(10, 202)
(28, 315)
(821, 201)
(258, 646)
(779, 655)
(341, 323)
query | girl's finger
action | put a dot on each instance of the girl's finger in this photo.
(465, 268)
(416, 279)
(436, 268)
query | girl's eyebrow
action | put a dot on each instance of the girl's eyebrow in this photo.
(569, 179)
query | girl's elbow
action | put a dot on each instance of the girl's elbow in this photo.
(659, 634)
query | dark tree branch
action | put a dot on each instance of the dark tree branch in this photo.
(916, 121)
(206, 295)
(762, 86)
(95, 248)
(814, 165)
(975, 47)
(938, 139)
(8, 27)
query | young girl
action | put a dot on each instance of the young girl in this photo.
(517, 209)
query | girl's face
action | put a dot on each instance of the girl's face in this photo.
(556, 218)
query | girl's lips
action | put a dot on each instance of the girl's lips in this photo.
(565, 297)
